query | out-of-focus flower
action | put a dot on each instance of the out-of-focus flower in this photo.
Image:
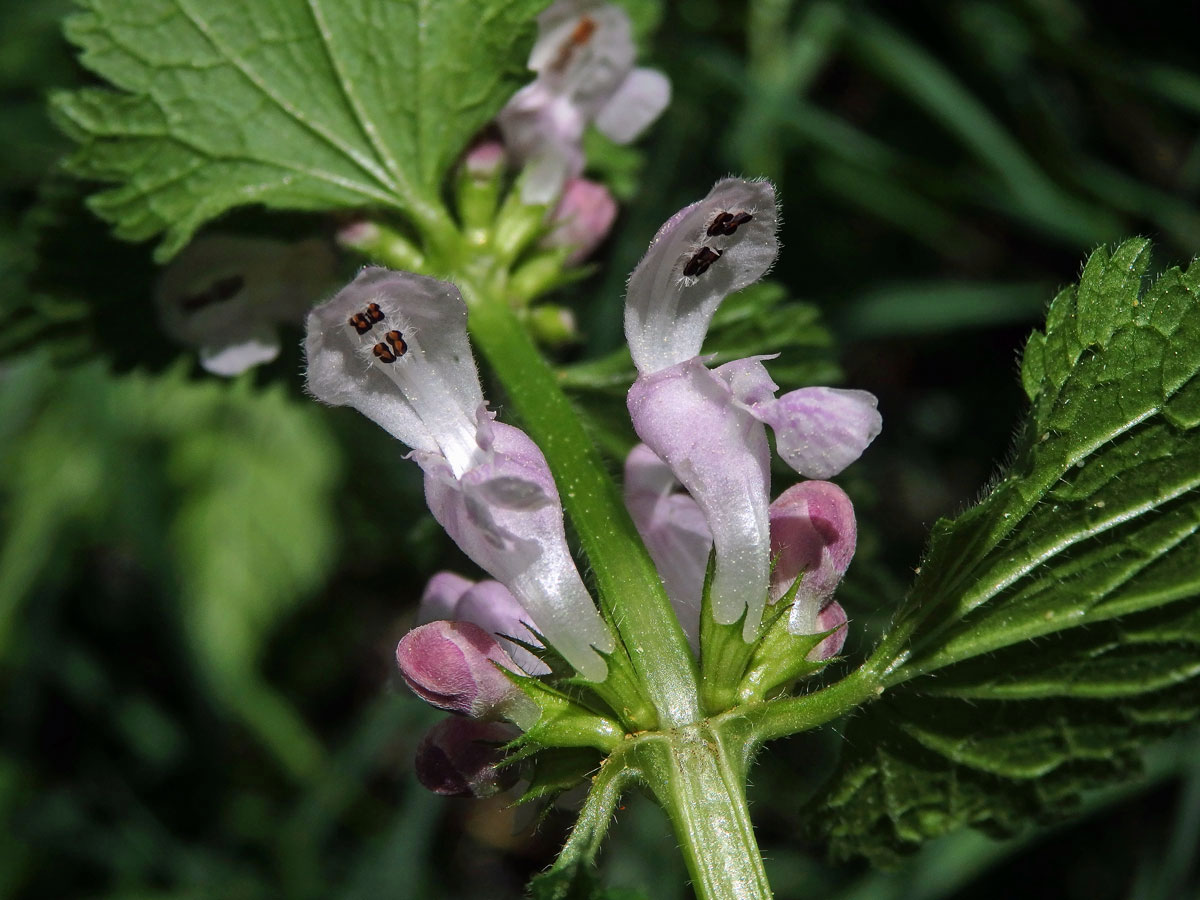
(584, 60)
(582, 220)
(227, 296)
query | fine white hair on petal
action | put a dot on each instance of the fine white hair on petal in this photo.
(424, 389)
(639, 100)
(701, 255)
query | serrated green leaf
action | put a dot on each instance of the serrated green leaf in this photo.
(1062, 613)
(294, 104)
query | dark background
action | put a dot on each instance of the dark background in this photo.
(200, 590)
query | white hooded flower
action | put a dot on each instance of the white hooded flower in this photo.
(584, 60)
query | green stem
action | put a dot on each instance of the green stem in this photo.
(630, 590)
(699, 779)
(792, 715)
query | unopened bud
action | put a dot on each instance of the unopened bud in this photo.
(453, 666)
(460, 757)
(813, 534)
(582, 220)
(485, 159)
(832, 619)
(376, 241)
(477, 187)
(553, 325)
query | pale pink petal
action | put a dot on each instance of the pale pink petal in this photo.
(719, 452)
(675, 532)
(506, 516)
(460, 757)
(582, 219)
(441, 596)
(820, 430)
(408, 366)
(640, 99)
(830, 618)
(452, 665)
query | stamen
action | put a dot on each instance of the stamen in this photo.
(701, 260)
(719, 223)
(362, 322)
(396, 340)
(383, 354)
(580, 35)
(726, 223)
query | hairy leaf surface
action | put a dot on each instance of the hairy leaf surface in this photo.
(1055, 626)
(296, 104)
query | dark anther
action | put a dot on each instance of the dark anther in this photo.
(727, 223)
(360, 323)
(701, 260)
(374, 313)
(719, 223)
(396, 340)
(383, 354)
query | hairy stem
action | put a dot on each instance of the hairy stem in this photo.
(700, 780)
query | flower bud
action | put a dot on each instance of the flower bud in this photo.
(459, 757)
(452, 665)
(485, 160)
(477, 186)
(553, 325)
(832, 618)
(813, 535)
(582, 220)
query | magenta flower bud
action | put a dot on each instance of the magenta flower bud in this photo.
(831, 618)
(485, 159)
(582, 220)
(459, 758)
(813, 535)
(452, 665)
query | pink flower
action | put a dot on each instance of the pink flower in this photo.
(708, 426)
(584, 59)
(394, 346)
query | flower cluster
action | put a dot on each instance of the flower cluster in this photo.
(394, 346)
(584, 60)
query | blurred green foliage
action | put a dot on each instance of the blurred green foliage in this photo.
(201, 582)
